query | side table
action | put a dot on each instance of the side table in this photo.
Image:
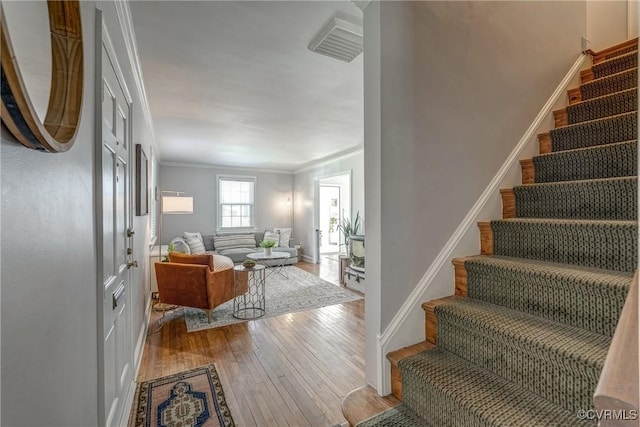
(344, 263)
(249, 296)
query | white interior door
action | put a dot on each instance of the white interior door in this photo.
(114, 254)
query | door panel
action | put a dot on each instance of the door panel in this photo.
(108, 186)
(116, 213)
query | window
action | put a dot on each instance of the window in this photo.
(236, 202)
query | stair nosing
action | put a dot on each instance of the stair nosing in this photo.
(564, 330)
(565, 221)
(590, 147)
(576, 181)
(605, 77)
(601, 119)
(599, 98)
(568, 268)
(633, 52)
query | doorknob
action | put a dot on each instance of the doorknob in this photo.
(130, 232)
(131, 264)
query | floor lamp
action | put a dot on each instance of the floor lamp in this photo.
(175, 204)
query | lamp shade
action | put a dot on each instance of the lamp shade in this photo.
(177, 205)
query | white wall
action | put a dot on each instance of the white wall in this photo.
(608, 23)
(633, 15)
(272, 191)
(49, 294)
(304, 189)
(458, 84)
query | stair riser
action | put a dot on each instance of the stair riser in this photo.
(607, 131)
(450, 395)
(608, 85)
(601, 200)
(613, 248)
(560, 118)
(610, 161)
(620, 103)
(615, 65)
(528, 171)
(586, 75)
(430, 320)
(508, 203)
(614, 51)
(567, 383)
(557, 377)
(548, 295)
(396, 382)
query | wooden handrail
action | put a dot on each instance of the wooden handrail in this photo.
(612, 49)
(617, 395)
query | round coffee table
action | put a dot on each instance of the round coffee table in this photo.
(277, 264)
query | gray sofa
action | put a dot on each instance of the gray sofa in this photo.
(238, 255)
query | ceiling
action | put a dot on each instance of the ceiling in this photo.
(232, 83)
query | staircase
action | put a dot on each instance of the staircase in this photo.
(524, 339)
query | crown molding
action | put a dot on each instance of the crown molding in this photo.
(230, 168)
(126, 26)
(362, 4)
(328, 160)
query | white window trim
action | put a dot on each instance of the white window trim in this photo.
(231, 177)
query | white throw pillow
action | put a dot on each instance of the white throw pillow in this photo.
(270, 235)
(285, 236)
(195, 242)
(234, 241)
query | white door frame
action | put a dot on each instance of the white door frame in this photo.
(316, 208)
(103, 41)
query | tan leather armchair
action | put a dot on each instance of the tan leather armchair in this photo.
(199, 281)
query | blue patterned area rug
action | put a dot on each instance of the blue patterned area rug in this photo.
(192, 398)
(301, 291)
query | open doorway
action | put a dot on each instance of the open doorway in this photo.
(333, 203)
(330, 208)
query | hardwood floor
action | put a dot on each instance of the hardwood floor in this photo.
(328, 269)
(289, 370)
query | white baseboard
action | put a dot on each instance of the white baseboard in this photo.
(386, 339)
(307, 258)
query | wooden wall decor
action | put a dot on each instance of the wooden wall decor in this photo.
(58, 131)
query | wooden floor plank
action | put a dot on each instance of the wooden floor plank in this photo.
(289, 370)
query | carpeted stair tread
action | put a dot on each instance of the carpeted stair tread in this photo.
(400, 416)
(583, 297)
(448, 391)
(603, 161)
(611, 245)
(623, 127)
(613, 83)
(615, 65)
(559, 362)
(609, 198)
(618, 50)
(604, 106)
(528, 343)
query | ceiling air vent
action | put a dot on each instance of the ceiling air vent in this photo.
(340, 38)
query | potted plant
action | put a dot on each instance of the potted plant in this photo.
(170, 248)
(347, 228)
(267, 246)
